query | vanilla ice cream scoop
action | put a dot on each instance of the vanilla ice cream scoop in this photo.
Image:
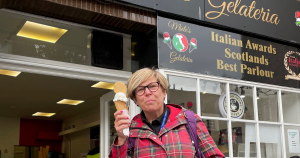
(120, 97)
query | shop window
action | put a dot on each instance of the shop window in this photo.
(241, 102)
(182, 91)
(218, 131)
(211, 102)
(291, 134)
(270, 141)
(52, 40)
(243, 139)
(267, 104)
(290, 107)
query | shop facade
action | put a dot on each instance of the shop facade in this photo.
(243, 50)
(208, 50)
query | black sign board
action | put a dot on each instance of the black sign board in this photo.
(188, 47)
(278, 19)
(189, 8)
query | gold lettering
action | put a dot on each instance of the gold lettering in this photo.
(216, 12)
(247, 11)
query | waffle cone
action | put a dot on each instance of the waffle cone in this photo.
(121, 105)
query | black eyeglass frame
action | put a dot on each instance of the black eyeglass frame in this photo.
(147, 87)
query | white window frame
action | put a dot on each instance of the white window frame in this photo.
(256, 121)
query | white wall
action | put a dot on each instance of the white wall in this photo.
(9, 135)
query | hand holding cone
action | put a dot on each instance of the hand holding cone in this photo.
(120, 101)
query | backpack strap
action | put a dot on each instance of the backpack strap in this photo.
(192, 130)
(130, 146)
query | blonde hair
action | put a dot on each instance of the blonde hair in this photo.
(142, 75)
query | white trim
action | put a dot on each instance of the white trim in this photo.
(256, 124)
(198, 107)
(269, 123)
(104, 123)
(229, 128)
(291, 124)
(63, 22)
(281, 121)
(62, 69)
(243, 120)
(214, 118)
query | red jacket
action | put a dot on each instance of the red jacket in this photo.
(172, 141)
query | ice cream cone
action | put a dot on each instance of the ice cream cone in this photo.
(169, 44)
(193, 45)
(120, 105)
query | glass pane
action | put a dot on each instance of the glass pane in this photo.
(218, 131)
(292, 145)
(211, 94)
(182, 91)
(267, 105)
(71, 44)
(243, 139)
(241, 102)
(290, 107)
(270, 141)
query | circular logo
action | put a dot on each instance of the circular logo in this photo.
(180, 42)
(237, 105)
(292, 63)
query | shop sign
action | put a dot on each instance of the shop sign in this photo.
(277, 19)
(189, 8)
(193, 48)
(293, 139)
(237, 105)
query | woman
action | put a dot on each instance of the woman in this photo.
(159, 130)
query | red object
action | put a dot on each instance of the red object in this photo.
(193, 40)
(166, 35)
(297, 14)
(49, 136)
(31, 129)
(189, 104)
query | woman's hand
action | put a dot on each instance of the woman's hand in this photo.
(121, 122)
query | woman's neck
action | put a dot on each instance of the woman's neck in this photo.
(154, 115)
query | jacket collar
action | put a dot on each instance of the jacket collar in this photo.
(139, 129)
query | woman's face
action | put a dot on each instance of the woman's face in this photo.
(150, 101)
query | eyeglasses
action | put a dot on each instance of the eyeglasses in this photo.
(153, 87)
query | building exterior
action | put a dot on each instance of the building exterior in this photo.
(208, 50)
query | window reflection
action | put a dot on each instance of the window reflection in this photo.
(290, 107)
(267, 104)
(246, 94)
(210, 93)
(182, 91)
(218, 131)
(270, 141)
(243, 139)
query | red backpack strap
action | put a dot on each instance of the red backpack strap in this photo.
(192, 130)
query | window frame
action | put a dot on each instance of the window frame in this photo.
(229, 120)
